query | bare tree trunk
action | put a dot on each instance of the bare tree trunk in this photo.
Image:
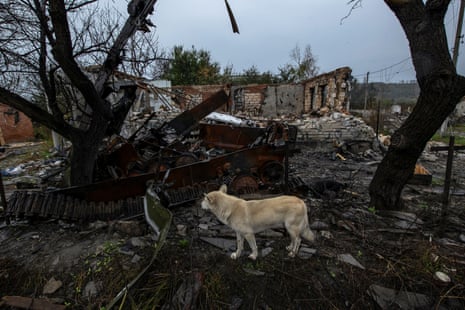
(85, 151)
(50, 50)
(105, 120)
(407, 144)
(440, 91)
(83, 158)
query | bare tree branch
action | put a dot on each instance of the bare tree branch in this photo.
(76, 5)
(63, 52)
(354, 5)
(129, 28)
(44, 47)
(34, 112)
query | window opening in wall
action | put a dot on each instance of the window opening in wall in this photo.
(312, 98)
(324, 93)
(14, 113)
(238, 99)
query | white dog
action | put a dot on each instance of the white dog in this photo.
(249, 217)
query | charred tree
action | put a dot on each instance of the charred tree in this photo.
(440, 90)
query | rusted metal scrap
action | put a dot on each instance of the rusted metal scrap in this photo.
(233, 137)
(245, 171)
(149, 149)
(248, 159)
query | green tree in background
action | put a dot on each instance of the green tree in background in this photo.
(302, 66)
(196, 67)
(192, 67)
(253, 76)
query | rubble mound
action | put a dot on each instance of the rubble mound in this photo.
(363, 258)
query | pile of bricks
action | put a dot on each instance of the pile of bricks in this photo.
(334, 130)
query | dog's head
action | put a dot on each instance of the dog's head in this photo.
(210, 200)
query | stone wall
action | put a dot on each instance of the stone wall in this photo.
(316, 106)
(267, 100)
(335, 131)
(248, 99)
(329, 90)
(187, 97)
(14, 126)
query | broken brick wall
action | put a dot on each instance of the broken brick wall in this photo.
(326, 95)
(189, 96)
(248, 99)
(14, 125)
(329, 90)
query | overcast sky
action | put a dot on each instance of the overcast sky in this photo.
(369, 40)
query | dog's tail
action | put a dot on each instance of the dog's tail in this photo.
(307, 234)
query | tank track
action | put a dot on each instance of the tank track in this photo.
(52, 205)
(24, 204)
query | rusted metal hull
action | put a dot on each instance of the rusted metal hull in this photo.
(187, 120)
(216, 170)
(244, 170)
(247, 159)
(229, 137)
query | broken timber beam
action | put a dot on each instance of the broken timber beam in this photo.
(30, 303)
(188, 119)
(450, 155)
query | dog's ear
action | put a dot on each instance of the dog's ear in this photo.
(224, 188)
(207, 197)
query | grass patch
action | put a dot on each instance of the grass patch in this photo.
(445, 139)
(456, 129)
(214, 287)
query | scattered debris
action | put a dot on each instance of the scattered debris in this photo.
(387, 298)
(254, 272)
(51, 286)
(188, 292)
(224, 244)
(402, 250)
(441, 276)
(306, 253)
(349, 259)
(30, 303)
(91, 289)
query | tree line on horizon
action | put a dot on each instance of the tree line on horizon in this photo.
(196, 67)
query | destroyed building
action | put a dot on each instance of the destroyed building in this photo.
(328, 91)
(319, 107)
(176, 137)
(14, 126)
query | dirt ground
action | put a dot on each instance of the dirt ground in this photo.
(363, 258)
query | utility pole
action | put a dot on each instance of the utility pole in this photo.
(458, 34)
(366, 91)
(455, 55)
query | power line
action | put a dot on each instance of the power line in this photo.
(452, 19)
(391, 66)
(387, 68)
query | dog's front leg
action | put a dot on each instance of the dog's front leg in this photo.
(240, 246)
(295, 244)
(253, 245)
